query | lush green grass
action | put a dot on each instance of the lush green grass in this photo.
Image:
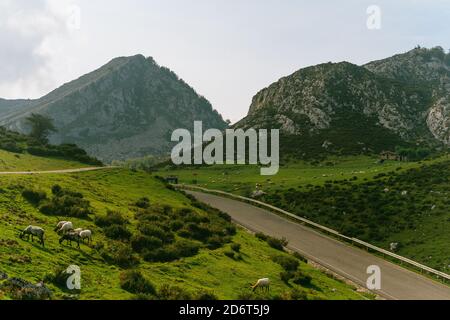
(243, 179)
(210, 270)
(12, 162)
(357, 196)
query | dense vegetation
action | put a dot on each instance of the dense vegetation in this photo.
(22, 144)
(377, 210)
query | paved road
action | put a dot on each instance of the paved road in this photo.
(56, 171)
(396, 282)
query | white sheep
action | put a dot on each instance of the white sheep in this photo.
(59, 225)
(66, 227)
(78, 231)
(86, 234)
(33, 231)
(263, 284)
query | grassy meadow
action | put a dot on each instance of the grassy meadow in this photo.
(223, 272)
(382, 203)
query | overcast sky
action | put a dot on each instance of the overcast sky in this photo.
(226, 49)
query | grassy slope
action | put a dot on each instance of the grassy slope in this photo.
(117, 189)
(11, 162)
(242, 179)
(425, 239)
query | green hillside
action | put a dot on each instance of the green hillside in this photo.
(220, 261)
(382, 203)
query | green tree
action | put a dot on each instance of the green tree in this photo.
(41, 127)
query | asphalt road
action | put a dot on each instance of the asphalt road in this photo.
(397, 283)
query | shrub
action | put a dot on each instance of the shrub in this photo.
(236, 247)
(167, 292)
(67, 203)
(229, 254)
(34, 197)
(286, 276)
(275, 243)
(133, 281)
(151, 230)
(141, 242)
(117, 232)
(120, 254)
(288, 263)
(261, 236)
(111, 218)
(205, 296)
(301, 279)
(143, 203)
(180, 249)
(300, 257)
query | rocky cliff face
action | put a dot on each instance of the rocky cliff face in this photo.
(126, 109)
(348, 108)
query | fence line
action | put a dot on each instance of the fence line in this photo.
(422, 267)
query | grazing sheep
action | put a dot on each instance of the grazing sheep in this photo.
(78, 231)
(263, 284)
(69, 237)
(59, 225)
(68, 226)
(33, 231)
(86, 234)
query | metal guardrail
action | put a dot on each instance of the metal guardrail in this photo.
(402, 259)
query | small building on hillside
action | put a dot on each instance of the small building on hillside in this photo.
(389, 155)
(172, 179)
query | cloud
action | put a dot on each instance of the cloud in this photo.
(31, 33)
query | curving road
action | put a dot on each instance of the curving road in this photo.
(397, 283)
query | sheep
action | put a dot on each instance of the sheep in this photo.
(69, 237)
(78, 231)
(68, 226)
(59, 225)
(86, 234)
(263, 284)
(33, 231)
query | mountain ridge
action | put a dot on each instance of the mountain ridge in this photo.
(124, 109)
(346, 108)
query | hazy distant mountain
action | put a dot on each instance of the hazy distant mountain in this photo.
(345, 108)
(126, 109)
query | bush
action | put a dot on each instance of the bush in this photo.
(34, 197)
(275, 243)
(261, 236)
(236, 247)
(133, 281)
(151, 230)
(286, 276)
(205, 296)
(180, 249)
(288, 263)
(66, 203)
(141, 242)
(120, 254)
(301, 279)
(229, 254)
(143, 203)
(167, 292)
(117, 232)
(111, 218)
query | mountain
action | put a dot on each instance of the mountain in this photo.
(125, 109)
(344, 108)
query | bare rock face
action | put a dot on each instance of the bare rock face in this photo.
(126, 109)
(439, 120)
(402, 100)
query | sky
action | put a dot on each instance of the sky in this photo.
(227, 50)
